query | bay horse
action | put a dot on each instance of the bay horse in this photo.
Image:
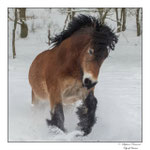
(68, 72)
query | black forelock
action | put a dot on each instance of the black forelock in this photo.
(103, 37)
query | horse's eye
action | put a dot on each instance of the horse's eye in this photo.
(91, 51)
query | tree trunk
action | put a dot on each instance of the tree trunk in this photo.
(69, 17)
(22, 13)
(65, 24)
(138, 22)
(24, 30)
(118, 21)
(49, 37)
(24, 27)
(103, 14)
(100, 10)
(124, 19)
(13, 38)
(73, 12)
(70, 14)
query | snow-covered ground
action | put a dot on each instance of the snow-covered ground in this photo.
(118, 91)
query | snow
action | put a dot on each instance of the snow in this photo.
(118, 90)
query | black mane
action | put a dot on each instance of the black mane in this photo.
(103, 37)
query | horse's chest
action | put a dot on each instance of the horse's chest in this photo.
(74, 93)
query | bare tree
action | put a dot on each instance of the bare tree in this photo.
(138, 22)
(24, 27)
(118, 19)
(49, 37)
(14, 35)
(22, 13)
(103, 12)
(123, 18)
(70, 15)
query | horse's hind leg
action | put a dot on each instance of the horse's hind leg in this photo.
(86, 114)
(57, 117)
(34, 99)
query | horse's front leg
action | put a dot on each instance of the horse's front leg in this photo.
(57, 114)
(86, 114)
(57, 117)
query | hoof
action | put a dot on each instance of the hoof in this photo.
(51, 123)
(86, 131)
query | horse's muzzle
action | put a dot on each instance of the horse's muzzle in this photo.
(88, 83)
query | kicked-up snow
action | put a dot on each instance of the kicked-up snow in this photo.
(118, 93)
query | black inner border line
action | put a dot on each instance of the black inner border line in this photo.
(96, 141)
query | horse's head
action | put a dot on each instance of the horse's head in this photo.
(91, 63)
(95, 52)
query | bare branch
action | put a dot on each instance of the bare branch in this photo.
(81, 10)
(14, 21)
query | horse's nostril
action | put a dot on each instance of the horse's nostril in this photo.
(87, 81)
